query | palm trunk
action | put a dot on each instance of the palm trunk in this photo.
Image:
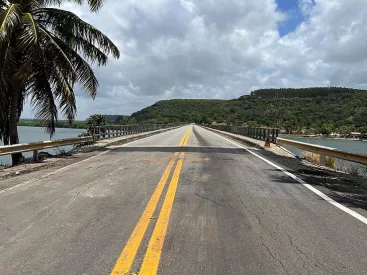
(13, 125)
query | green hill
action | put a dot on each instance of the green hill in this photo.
(316, 109)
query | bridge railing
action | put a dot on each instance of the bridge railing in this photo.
(260, 133)
(108, 131)
(324, 151)
(111, 131)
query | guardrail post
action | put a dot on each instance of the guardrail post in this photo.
(322, 160)
(35, 156)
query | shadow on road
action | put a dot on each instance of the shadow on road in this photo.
(188, 149)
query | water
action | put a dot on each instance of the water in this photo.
(36, 134)
(351, 146)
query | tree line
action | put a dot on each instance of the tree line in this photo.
(310, 110)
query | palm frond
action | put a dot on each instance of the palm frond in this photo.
(94, 5)
(26, 47)
(69, 25)
(53, 50)
(10, 18)
(63, 92)
(41, 97)
(84, 73)
(91, 53)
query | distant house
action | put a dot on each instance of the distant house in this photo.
(355, 135)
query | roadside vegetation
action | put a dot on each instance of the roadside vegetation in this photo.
(338, 165)
(44, 52)
(316, 159)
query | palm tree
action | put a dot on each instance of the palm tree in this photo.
(95, 120)
(44, 51)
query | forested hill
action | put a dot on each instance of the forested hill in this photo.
(318, 109)
(301, 92)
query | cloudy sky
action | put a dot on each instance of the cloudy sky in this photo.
(223, 49)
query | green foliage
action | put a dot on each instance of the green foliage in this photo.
(95, 120)
(183, 110)
(319, 110)
(330, 162)
(44, 52)
(59, 124)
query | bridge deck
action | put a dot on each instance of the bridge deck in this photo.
(185, 201)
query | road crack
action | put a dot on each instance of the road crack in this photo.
(262, 238)
(215, 202)
(299, 249)
(86, 187)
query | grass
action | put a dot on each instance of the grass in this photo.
(316, 159)
(348, 167)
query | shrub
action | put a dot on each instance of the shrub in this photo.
(330, 162)
(311, 157)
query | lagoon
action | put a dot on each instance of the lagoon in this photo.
(352, 146)
(37, 134)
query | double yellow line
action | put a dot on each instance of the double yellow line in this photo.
(153, 254)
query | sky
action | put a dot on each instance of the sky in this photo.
(223, 49)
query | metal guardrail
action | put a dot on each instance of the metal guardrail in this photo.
(36, 146)
(324, 151)
(260, 133)
(108, 131)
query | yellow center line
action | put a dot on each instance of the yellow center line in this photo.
(128, 254)
(153, 254)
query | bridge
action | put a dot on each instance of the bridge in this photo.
(184, 201)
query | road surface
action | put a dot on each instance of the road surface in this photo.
(185, 201)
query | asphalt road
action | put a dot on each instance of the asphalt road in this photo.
(185, 201)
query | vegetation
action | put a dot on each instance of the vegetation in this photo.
(44, 51)
(310, 110)
(316, 159)
(116, 119)
(184, 110)
(58, 124)
(95, 120)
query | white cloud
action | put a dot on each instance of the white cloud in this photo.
(306, 6)
(222, 49)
